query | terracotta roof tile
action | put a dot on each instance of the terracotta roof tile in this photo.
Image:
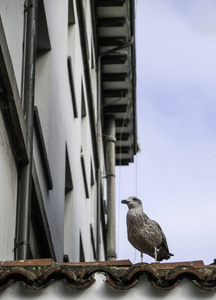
(38, 274)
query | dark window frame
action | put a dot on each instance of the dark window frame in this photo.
(10, 103)
(40, 221)
(43, 39)
(82, 254)
(84, 176)
(93, 242)
(92, 175)
(42, 149)
(71, 14)
(71, 81)
(83, 103)
(68, 174)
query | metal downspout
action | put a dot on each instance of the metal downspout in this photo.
(110, 139)
(25, 182)
(98, 167)
(105, 53)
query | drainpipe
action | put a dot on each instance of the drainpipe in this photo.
(110, 175)
(25, 182)
(98, 167)
(99, 137)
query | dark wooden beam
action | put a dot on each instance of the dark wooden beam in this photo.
(124, 149)
(121, 122)
(114, 93)
(122, 162)
(114, 77)
(101, 3)
(111, 41)
(114, 59)
(123, 137)
(115, 109)
(111, 22)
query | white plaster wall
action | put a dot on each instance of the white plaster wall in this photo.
(53, 92)
(60, 128)
(80, 211)
(12, 18)
(8, 195)
(56, 12)
(101, 290)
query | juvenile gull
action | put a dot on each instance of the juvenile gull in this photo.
(145, 234)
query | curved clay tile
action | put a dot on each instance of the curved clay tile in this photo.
(121, 275)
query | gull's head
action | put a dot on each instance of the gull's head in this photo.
(132, 202)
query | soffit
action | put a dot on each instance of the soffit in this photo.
(115, 26)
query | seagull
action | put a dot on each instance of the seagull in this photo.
(145, 234)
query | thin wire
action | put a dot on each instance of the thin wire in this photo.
(111, 102)
(136, 166)
(119, 194)
(136, 5)
(136, 162)
(120, 157)
(136, 185)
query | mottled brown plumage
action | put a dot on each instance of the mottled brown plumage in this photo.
(145, 234)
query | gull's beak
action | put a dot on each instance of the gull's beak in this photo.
(124, 201)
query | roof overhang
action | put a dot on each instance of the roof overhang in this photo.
(115, 22)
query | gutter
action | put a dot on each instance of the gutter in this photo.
(28, 86)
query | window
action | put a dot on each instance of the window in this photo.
(42, 89)
(83, 102)
(42, 149)
(68, 211)
(71, 81)
(92, 56)
(40, 238)
(43, 40)
(71, 16)
(82, 256)
(92, 175)
(93, 242)
(68, 176)
(84, 176)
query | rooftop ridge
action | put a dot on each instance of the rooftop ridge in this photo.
(121, 275)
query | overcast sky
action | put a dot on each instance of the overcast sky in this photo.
(175, 173)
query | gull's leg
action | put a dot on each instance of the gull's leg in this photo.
(141, 257)
(155, 254)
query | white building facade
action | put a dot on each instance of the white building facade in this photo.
(67, 116)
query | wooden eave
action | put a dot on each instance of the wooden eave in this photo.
(115, 26)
